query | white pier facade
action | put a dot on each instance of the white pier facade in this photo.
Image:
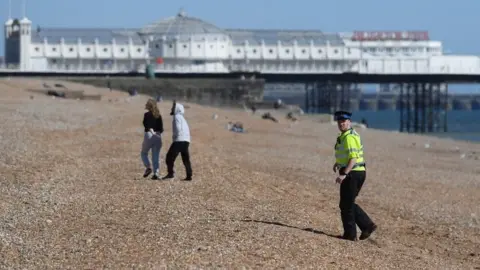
(186, 44)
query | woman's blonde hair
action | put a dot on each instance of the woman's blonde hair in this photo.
(152, 107)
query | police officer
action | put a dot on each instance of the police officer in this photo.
(350, 164)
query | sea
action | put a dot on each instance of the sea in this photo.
(462, 125)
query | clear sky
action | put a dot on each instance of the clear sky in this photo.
(455, 23)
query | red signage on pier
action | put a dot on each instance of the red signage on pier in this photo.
(389, 35)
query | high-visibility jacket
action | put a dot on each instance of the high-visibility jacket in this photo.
(348, 146)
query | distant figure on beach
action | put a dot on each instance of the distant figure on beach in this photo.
(268, 115)
(291, 117)
(277, 104)
(253, 108)
(364, 122)
(180, 142)
(235, 127)
(132, 92)
(352, 173)
(152, 139)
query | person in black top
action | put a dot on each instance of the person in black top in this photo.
(152, 139)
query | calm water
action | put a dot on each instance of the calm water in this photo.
(462, 125)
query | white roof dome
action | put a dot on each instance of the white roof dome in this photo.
(181, 26)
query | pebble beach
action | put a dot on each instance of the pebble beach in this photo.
(73, 195)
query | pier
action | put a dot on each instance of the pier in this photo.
(423, 106)
(186, 57)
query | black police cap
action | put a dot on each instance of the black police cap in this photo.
(341, 115)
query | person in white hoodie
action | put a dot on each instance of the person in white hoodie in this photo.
(180, 142)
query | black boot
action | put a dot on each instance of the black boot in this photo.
(344, 237)
(365, 234)
(147, 172)
(168, 176)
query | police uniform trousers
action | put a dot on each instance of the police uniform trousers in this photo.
(351, 212)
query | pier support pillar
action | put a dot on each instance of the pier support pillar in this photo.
(328, 97)
(423, 107)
